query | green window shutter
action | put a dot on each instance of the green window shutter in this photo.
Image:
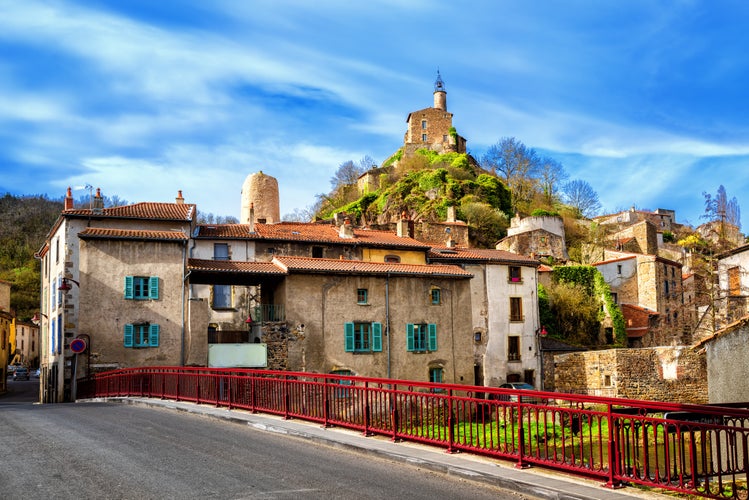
(129, 330)
(377, 337)
(153, 287)
(153, 335)
(432, 330)
(129, 287)
(348, 330)
(409, 337)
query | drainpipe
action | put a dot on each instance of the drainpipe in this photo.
(387, 316)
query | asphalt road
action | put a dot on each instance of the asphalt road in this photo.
(109, 450)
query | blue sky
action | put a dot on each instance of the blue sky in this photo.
(646, 101)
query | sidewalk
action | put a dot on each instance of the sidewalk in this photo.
(534, 481)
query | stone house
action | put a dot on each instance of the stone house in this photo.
(651, 286)
(27, 343)
(733, 284)
(541, 237)
(505, 319)
(376, 319)
(661, 218)
(114, 278)
(668, 373)
(6, 322)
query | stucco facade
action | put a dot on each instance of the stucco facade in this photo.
(105, 309)
(505, 317)
(325, 304)
(726, 353)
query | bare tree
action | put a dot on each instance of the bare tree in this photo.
(517, 164)
(551, 175)
(580, 195)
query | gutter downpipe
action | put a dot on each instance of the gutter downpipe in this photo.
(387, 316)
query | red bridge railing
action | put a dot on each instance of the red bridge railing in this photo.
(695, 449)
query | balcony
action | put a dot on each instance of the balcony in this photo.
(265, 313)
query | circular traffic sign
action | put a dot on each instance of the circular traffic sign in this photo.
(77, 345)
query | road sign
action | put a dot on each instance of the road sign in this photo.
(78, 345)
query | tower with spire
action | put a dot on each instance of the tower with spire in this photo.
(432, 128)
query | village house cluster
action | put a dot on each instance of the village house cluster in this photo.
(145, 285)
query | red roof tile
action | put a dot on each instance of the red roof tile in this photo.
(312, 265)
(461, 254)
(131, 234)
(147, 210)
(307, 232)
(233, 266)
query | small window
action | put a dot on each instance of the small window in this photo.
(362, 337)
(423, 138)
(515, 276)
(421, 337)
(220, 251)
(607, 380)
(619, 269)
(423, 124)
(436, 375)
(436, 296)
(141, 287)
(513, 348)
(734, 281)
(317, 252)
(222, 297)
(362, 296)
(392, 259)
(444, 138)
(141, 335)
(516, 309)
(614, 297)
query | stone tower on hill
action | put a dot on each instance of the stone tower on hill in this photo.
(260, 199)
(429, 128)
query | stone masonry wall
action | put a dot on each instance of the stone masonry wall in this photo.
(673, 374)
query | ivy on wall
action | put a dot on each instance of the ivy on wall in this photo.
(592, 280)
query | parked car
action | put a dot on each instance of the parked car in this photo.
(518, 386)
(36, 373)
(21, 373)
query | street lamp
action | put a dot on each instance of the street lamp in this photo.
(541, 333)
(65, 286)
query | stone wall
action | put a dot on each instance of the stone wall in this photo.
(673, 374)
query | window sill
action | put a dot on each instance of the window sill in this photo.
(363, 304)
(228, 309)
(518, 360)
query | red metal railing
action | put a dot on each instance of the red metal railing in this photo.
(696, 449)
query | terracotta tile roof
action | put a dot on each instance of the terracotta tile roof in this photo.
(287, 265)
(131, 234)
(308, 232)
(543, 268)
(146, 210)
(461, 254)
(618, 259)
(233, 266)
(312, 265)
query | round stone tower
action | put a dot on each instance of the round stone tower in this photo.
(260, 199)
(440, 94)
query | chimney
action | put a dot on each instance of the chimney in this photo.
(69, 200)
(404, 228)
(450, 214)
(98, 202)
(252, 218)
(180, 200)
(347, 230)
